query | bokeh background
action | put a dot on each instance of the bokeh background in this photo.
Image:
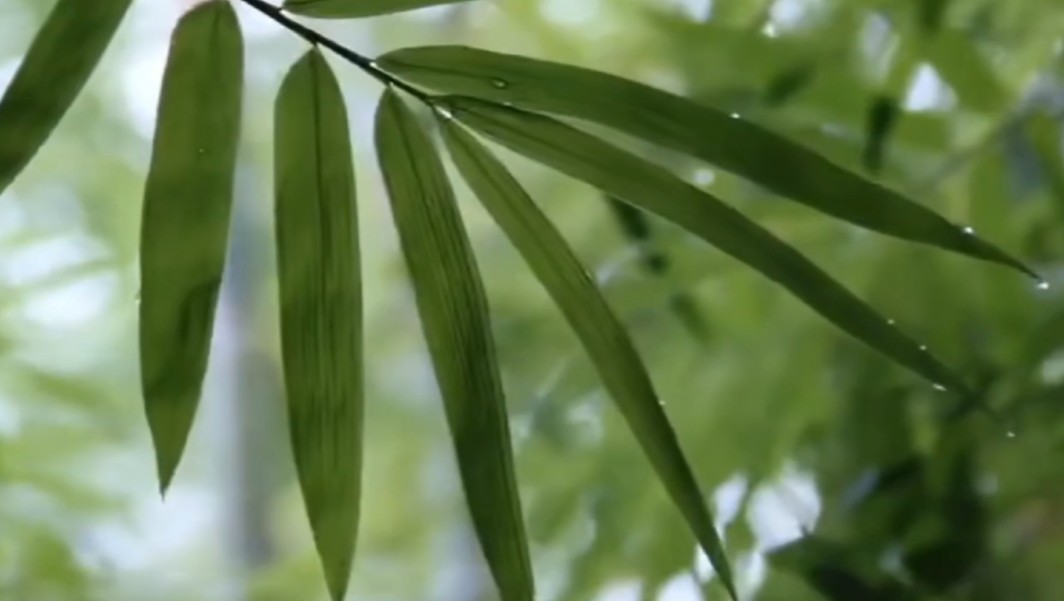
(792, 427)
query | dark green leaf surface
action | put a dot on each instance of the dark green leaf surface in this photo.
(321, 306)
(187, 201)
(654, 189)
(55, 68)
(603, 336)
(686, 126)
(347, 9)
(454, 317)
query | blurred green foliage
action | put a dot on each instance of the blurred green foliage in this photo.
(794, 430)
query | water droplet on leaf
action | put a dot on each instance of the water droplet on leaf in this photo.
(499, 84)
(735, 115)
(969, 230)
(938, 387)
(1042, 285)
(1010, 434)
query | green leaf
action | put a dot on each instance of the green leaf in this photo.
(58, 63)
(612, 352)
(652, 188)
(683, 125)
(454, 316)
(321, 306)
(348, 9)
(187, 202)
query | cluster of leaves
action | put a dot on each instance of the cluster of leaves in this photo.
(505, 98)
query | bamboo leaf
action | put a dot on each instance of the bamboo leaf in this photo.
(454, 317)
(599, 330)
(652, 188)
(744, 148)
(349, 9)
(58, 63)
(321, 306)
(187, 201)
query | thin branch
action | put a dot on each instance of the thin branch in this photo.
(362, 62)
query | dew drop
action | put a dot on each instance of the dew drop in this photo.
(1010, 434)
(735, 115)
(499, 84)
(923, 347)
(1042, 285)
(938, 387)
(373, 64)
(891, 322)
(969, 230)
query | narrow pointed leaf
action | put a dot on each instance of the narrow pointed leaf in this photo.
(671, 121)
(58, 63)
(454, 316)
(652, 188)
(184, 232)
(599, 330)
(348, 9)
(321, 306)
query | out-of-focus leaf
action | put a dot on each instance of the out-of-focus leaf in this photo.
(187, 202)
(931, 14)
(789, 82)
(654, 189)
(637, 229)
(1045, 134)
(58, 63)
(882, 116)
(321, 306)
(454, 316)
(601, 333)
(683, 125)
(834, 571)
(347, 9)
